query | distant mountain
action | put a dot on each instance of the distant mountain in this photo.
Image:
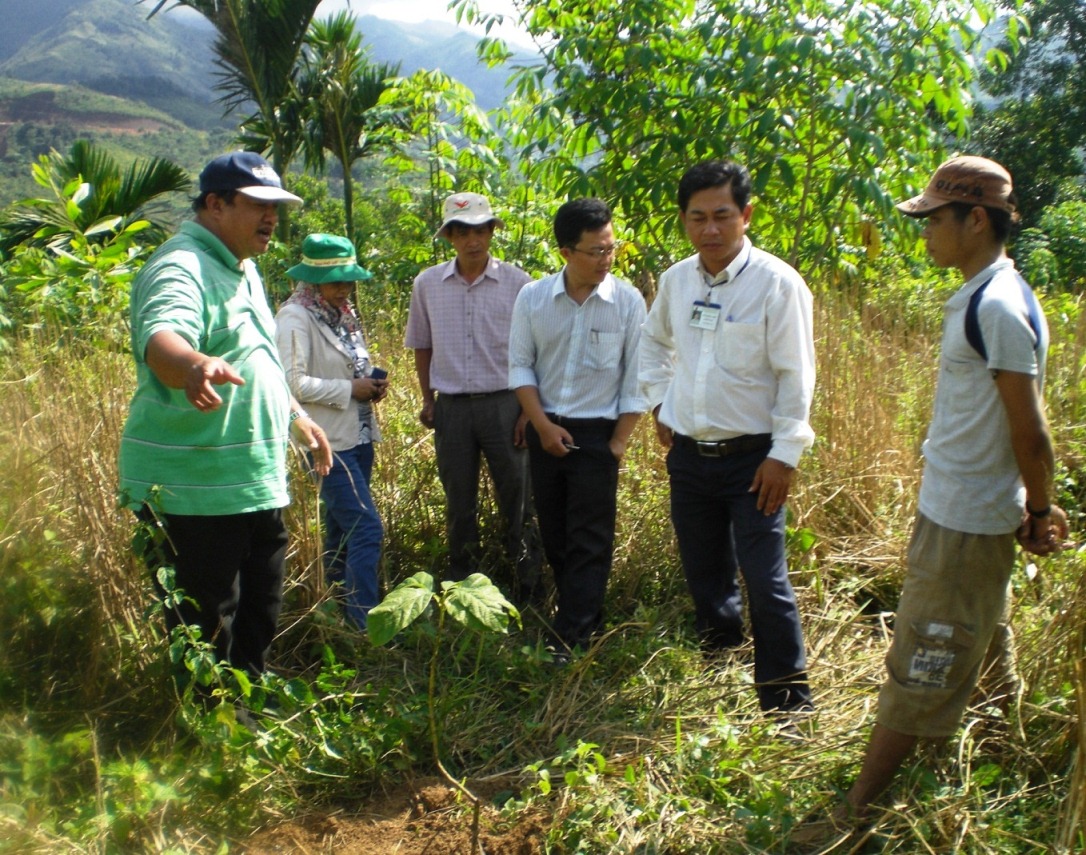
(100, 70)
(437, 45)
(111, 46)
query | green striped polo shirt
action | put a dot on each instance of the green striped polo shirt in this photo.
(229, 461)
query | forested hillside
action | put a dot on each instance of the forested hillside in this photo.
(160, 75)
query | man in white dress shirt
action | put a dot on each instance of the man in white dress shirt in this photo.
(573, 365)
(727, 366)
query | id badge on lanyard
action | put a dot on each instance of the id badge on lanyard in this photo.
(705, 315)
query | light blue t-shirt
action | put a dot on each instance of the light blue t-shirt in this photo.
(971, 481)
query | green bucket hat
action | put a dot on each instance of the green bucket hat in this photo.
(328, 258)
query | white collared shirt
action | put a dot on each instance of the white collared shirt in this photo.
(754, 373)
(581, 358)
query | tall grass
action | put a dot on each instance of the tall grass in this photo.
(654, 752)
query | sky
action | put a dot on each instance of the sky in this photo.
(413, 11)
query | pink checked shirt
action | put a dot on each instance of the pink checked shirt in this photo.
(466, 324)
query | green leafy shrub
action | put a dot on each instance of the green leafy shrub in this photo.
(1054, 254)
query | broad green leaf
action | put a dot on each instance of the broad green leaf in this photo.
(108, 224)
(478, 604)
(400, 608)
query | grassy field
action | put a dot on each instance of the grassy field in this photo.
(637, 747)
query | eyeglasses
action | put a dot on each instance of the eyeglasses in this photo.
(598, 251)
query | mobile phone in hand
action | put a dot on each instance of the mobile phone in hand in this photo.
(378, 373)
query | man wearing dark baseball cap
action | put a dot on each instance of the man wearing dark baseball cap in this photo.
(247, 173)
(203, 455)
(988, 466)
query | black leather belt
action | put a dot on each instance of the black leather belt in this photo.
(726, 447)
(565, 421)
(459, 395)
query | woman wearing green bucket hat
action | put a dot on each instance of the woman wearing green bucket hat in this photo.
(327, 363)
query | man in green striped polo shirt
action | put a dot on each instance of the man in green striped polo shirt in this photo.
(203, 454)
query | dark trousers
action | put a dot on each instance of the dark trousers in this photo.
(231, 569)
(721, 531)
(466, 429)
(576, 503)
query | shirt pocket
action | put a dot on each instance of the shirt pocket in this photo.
(968, 382)
(739, 348)
(604, 349)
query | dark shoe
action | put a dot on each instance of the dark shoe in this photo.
(245, 718)
(721, 639)
(559, 654)
(796, 725)
(531, 597)
(727, 656)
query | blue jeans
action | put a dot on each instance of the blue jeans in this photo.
(721, 531)
(353, 530)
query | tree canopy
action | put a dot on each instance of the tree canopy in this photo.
(835, 107)
(1037, 126)
(257, 51)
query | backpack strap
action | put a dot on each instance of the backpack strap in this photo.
(972, 325)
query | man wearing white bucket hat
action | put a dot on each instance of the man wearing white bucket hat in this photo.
(458, 326)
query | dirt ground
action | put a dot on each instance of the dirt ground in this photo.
(424, 818)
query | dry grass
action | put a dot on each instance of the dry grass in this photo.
(650, 704)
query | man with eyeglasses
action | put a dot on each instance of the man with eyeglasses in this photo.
(458, 326)
(727, 366)
(573, 365)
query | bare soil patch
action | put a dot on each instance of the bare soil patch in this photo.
(41, 108)
(424, 817)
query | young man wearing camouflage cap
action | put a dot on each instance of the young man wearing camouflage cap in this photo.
(987, 478)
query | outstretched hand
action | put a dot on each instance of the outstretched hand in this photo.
(203, 377)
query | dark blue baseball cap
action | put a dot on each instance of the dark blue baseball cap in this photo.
(247, 173)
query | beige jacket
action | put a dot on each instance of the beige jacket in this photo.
(319, 371)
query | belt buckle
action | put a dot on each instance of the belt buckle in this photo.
(708, 449)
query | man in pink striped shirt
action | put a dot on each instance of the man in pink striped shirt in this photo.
(458, 326)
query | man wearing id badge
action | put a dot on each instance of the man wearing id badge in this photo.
(727, 367)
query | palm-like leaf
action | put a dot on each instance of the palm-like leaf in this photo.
(341, 90)
(257, 50)
(90, 195)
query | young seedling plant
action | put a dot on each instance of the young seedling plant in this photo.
(475, 603)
